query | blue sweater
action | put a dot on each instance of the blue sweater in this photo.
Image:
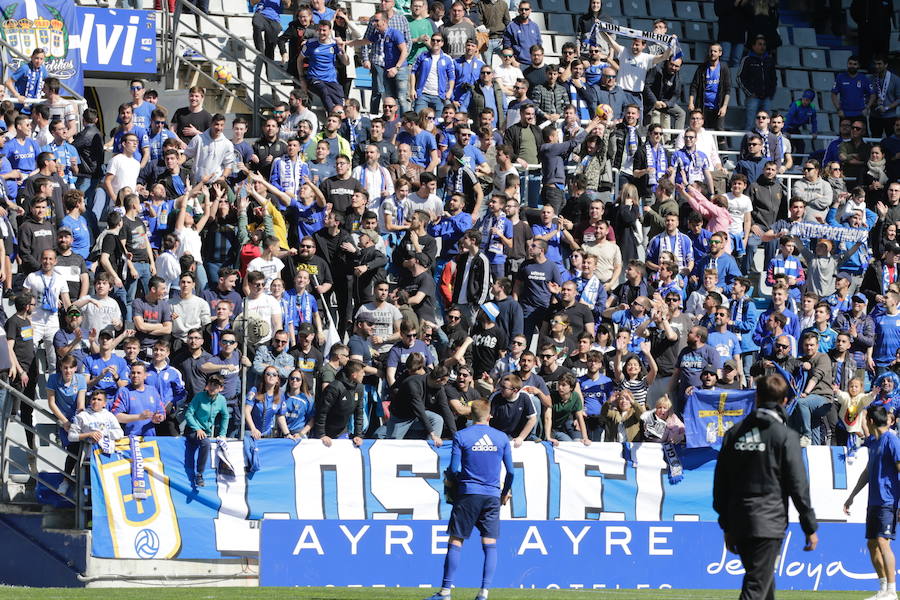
(800, 116)
(521, 37)
(478, 451)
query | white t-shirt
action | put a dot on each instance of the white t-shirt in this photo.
(738, 206)
(384, 318)
(633, 69)
(507, 75)
(37, 282)
(431, 81)
(270, 268)
(189, 243)
(124, 170)
(98, 317)
(264, 307)
(432, 205)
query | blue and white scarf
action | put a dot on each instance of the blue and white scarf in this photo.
(676, 471)
(659, 165)
(139, 489)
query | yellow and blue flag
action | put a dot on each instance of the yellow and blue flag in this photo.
(708, 414)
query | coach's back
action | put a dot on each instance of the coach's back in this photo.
(478, 451)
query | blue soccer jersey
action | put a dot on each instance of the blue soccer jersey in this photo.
(478, 451)
(884, 484)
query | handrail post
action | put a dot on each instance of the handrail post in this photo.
(5, 411)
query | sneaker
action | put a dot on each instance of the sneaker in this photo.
(438, 596)
(63, 489)
(805, 441)
(198, 480)
(480, 597)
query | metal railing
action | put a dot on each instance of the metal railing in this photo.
(77, 482)
(249, 75)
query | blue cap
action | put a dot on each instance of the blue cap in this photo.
(491, 310)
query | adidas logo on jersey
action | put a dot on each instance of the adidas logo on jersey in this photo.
(484, 445)
(750, 442)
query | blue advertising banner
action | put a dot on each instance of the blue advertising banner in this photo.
(118, 41)
(551, 555)
(401, 481)
(49, 24)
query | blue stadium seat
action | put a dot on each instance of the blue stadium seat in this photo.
(561, 23)
(634, 8)
(837, 59)
(782, 99)
(813, 58)
(824, 122)
(822, 81)
(661, 9)
(709, 12)
(580, 6)
(797, 80)
(642, 24)
(688, 10)
(612, 7)
(805, 37)
(696, 31)
(789, 56)
(553, 6)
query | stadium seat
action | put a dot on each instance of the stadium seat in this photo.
(661, 9)
(642, 24)
(837, 59)
(579, 7)
(559, 40)
(241, 26)
(562, 23)
(675, 28)
(709, 12)
(822, 81)
(789, 56)
(805, 37)
(612, 7)
(797, 80)
(547, 43)
(696, 31)
(688, 10)
(634, 8)
(812, 58)
(217, 7)
(824, 123)
(362, 10)
(540, 19)
(782, 99)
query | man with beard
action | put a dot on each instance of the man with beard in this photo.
(692, 359)
(267, 148)
(384, 316)
(334, 247)
(339, 189)
(419, 406)
(70, 266)
(320, 277)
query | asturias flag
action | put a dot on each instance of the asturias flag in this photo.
(708, 414)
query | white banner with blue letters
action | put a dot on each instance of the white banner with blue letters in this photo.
(602, 486)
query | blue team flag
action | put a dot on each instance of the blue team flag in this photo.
(708, 414)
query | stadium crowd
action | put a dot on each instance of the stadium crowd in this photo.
(511, 229)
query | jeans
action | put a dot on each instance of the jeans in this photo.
(202, 279)
(398, 429)
(131, 285)
(212, 272)
(383, 85)
(754, 105)
(753, 242)
(669, 118)
(732, 52)
(811, 408)
(95, 200)
(330, 92)
(493, 46)
(201, 447)
(44, 332)
(530, 186)
(427, 100)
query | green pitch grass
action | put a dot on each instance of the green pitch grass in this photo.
(201, 593)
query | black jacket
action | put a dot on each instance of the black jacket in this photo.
(513, 137)
(477, 103)
(757, 76)
(89, 144)
(334, 406)
(660, 86)
(479, 284)
(34, 238)
(698, 85)
(374, 260)
(759, 467)
(615, 150)
(413, 397)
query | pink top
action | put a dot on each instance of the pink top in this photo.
(717, 217)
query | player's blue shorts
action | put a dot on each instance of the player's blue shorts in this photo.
(475, 510)
(881, 522)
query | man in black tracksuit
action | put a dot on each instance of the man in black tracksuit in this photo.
(342, 398)
(759, 466)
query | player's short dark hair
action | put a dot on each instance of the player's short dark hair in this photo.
(877, 415)
(771, 389)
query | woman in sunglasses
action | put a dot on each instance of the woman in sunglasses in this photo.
(264, 409)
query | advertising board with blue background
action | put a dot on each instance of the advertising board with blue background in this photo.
(401, 481)
(80, 39)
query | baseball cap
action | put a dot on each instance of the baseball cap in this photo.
(305, 329)
(108, 332)
(73, 311)
(369, 233)
(709, 370)
(809, 95)
(860, 298)
(365, 318)
(491, 310)
(64, 231)
(458, 152)
(421, 258)
(892, 248)
(730, 364)
(844, 275)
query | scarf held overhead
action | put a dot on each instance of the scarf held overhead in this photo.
(660, 38)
